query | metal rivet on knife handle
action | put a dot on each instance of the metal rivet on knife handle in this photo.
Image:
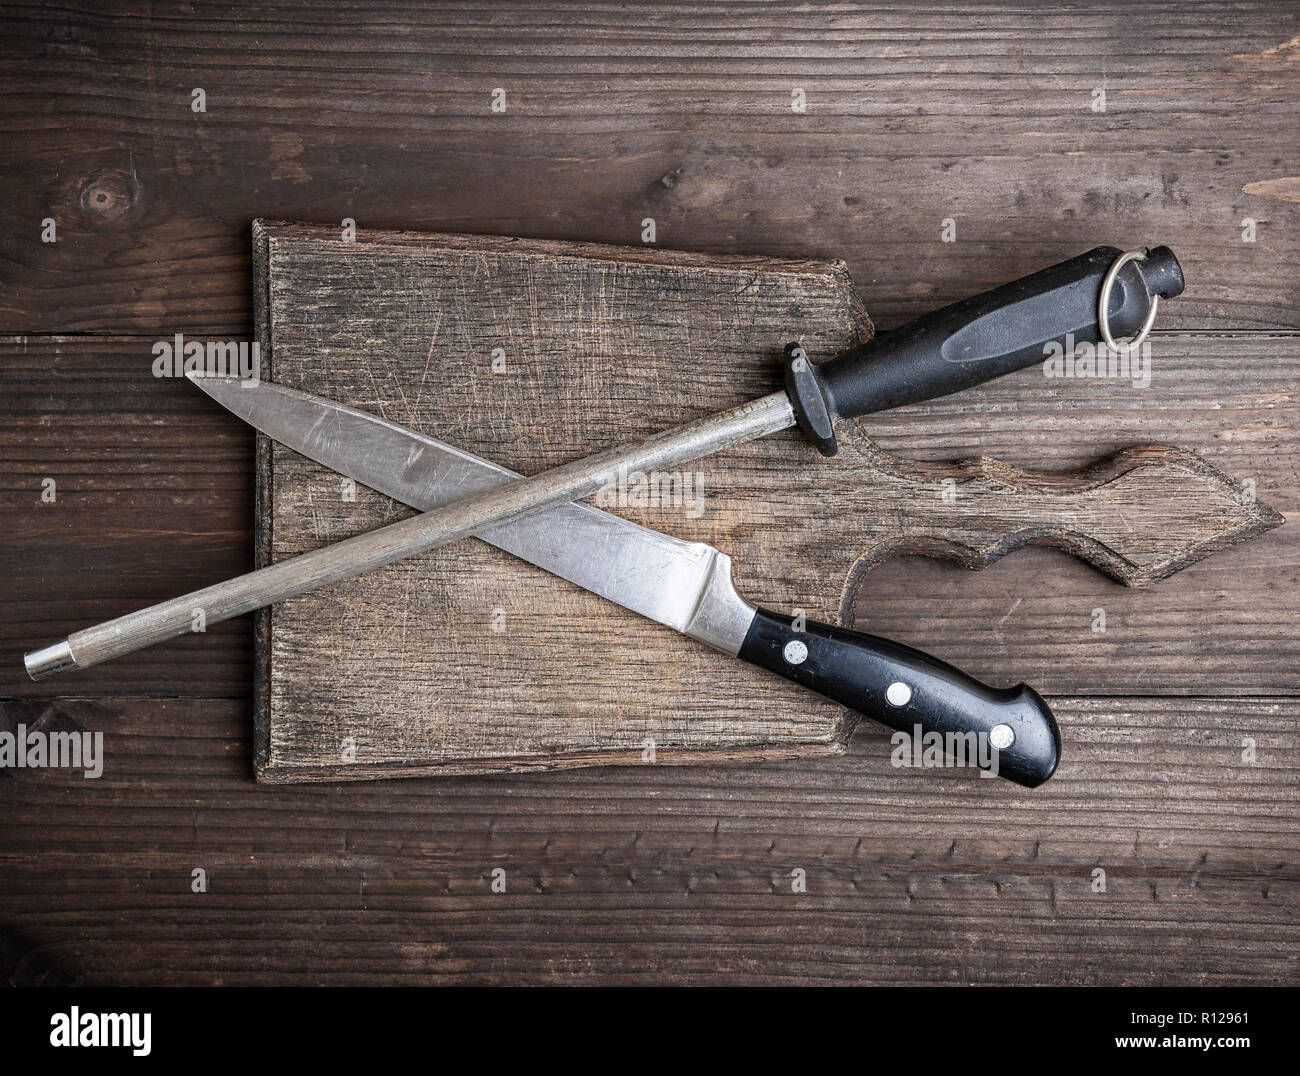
(795, 652)
(898, 693)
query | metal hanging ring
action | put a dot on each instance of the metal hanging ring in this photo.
(1103, 303)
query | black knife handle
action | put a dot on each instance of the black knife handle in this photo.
(977, 339)
(905, 688)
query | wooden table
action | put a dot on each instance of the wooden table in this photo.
(863, 132)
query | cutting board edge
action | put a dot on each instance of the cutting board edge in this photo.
(270, 772)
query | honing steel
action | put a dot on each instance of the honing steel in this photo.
(684, 585)
(1100, 294)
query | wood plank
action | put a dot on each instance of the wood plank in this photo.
(671, 111)
(153, 497)
(149, 465)
(661, 874)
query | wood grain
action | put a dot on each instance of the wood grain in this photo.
(153, 497)
(672, 111)
(655, 874)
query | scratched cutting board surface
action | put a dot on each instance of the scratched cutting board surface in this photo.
(534, 353)
(467, 659)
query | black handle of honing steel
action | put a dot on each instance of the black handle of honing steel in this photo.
(977, 339)
(1014, 733)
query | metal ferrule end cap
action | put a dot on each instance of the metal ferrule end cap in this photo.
(48, 660)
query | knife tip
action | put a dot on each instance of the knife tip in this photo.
(213, 383)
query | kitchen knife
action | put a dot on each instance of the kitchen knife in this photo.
(1094, 296)
(686, 586)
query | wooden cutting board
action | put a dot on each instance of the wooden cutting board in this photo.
(466, 660)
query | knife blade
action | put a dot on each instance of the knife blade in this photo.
(686, 586)
(1009, 328)
(682, 585)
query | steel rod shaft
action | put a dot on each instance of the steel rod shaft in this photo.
(353, 556)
